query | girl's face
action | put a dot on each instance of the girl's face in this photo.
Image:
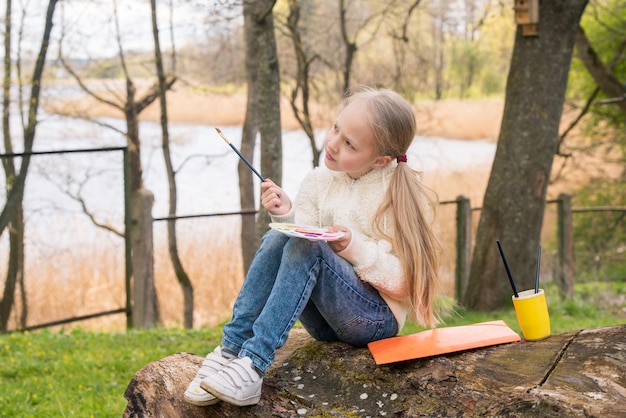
(350, 146)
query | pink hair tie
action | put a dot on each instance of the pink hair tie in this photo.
(401, 158)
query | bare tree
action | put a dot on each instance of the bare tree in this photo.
(301, 92)
(440, 11)
(15, 270)
(12, 212)
(172, 245)
(400, 40)
(350, 32)
(259, 15)
(131, 107)
(249, 236)
(514, 202)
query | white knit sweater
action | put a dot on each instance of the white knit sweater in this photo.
(329, 198)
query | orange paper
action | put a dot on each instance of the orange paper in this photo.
(441, 341)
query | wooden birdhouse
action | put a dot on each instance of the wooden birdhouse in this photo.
(527, 15)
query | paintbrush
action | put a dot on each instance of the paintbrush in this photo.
(508, 271)
(240, 154)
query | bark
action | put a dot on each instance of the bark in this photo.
(302, 89)
(13, 213)
(350, 45)
(267, 96)
(14, 198)
(172, 244)
(515, 198)
(574, 374)
(604, 78)
(17, 228)
(249, 239)
(400, 44)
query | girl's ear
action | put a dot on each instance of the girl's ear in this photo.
(381, 161)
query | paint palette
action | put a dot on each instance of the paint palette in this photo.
(312, 233)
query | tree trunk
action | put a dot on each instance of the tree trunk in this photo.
(577, 374)
(17, 190)
(514, 202)
(249, 239)
(15, 273)
(267, 97)
(132, 137)
(302, 88)
(132, 108)
(8, 296)
(172, 244)
(12, 212)
(350, 46)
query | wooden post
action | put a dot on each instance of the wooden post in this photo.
(565, 239)
(128, 252)
(463, 245)
(144, 294)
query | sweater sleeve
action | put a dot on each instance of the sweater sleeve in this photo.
(374, 263)
(288, 217)
(305, 207)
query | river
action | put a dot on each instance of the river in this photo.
(74, 268)
(206, 173)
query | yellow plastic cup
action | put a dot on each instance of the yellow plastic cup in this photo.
(532, 314)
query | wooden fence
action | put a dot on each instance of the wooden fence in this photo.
(565, 241)
(127, 269)
(464, 240)
(140, 306)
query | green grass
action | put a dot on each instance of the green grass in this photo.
(82, 373)
(594, 305)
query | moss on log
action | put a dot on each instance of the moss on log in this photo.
(567, 375)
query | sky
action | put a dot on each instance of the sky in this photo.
(88, 27)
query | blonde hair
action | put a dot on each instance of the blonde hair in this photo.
(410, 203)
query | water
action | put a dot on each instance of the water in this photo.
(206, 173)
(74, 268)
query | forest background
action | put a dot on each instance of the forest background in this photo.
(450, 58)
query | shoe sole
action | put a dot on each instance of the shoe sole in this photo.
(253, 400)
(201, 403)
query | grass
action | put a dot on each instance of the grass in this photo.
(84, 373)
(594, 305)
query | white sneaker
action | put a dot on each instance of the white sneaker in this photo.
(237, 383)
(213, 363)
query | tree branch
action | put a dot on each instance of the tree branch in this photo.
(604, 78)
(85, 88)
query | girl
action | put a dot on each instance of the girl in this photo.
(356, 289)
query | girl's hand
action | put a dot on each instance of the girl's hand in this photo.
(343, 242)
(274, 199)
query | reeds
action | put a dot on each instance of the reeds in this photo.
(89, 277)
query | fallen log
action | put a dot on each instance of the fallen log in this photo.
(575, 374)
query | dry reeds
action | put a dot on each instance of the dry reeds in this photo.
(88, 278)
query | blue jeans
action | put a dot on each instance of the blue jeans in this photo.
(294, 278)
